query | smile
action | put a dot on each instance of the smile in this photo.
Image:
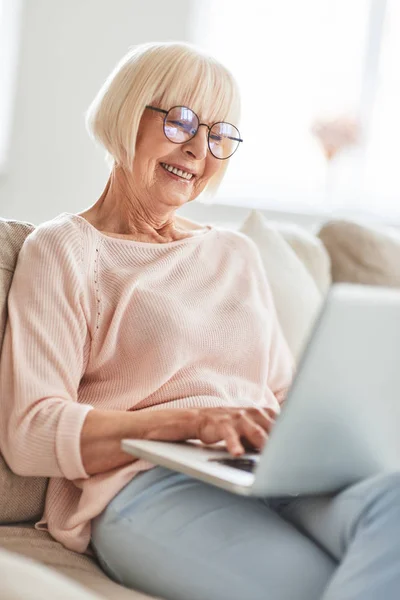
(177, 172)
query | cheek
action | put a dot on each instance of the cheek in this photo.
(148, 155)
(151, 144)
(213, 167)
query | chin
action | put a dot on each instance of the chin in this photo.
(178, 199)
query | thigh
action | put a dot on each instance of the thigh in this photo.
(331, 521)
(175, 537)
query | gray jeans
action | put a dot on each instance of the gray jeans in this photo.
(180, 539)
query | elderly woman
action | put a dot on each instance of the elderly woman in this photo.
(128, 320)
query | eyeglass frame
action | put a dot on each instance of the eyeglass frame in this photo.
(209, 127)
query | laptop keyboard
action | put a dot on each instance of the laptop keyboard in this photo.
(244, 464)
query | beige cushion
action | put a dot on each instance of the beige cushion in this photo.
(21, 498)
(295, 291)
(40, 546)
(23, 579)
(311, 251)
(362, 253)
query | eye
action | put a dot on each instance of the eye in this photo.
(216, 138)
(182, 125)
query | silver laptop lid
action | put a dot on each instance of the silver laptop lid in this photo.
(348, 383)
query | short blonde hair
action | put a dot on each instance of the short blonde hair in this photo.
(164, 74)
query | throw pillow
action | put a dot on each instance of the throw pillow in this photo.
(296, 295)
(311, 251)
(361, 253)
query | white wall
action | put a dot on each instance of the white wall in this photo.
(68, 47)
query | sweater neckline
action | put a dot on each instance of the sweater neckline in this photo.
(116, 240)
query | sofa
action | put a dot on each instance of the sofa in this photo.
(300, 264)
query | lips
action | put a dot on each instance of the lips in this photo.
(178, 171)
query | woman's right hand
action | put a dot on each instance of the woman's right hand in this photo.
(239, 428)
(103, 430)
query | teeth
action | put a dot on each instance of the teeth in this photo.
(176, 171)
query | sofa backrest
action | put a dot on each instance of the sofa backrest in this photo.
(21, 498)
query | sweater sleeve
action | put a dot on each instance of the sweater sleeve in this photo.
(43, 358)
(281, 364)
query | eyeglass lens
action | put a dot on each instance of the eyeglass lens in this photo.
(181, 124)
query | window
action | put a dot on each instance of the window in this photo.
(297, 62)
(382, 153)
(10, 11)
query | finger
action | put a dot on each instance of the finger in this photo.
(254, 434)
(272, 412)
(263, 418)
(232, 439)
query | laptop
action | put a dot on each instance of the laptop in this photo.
(341, 419)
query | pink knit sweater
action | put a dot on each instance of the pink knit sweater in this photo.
(97, 322)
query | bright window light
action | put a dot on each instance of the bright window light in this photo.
(297, 62)
(382, 155)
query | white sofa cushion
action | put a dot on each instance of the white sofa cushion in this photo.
(310, 250)
(24, 579)
(296, 294)
(38, 546)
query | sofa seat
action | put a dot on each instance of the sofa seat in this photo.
(82, 568)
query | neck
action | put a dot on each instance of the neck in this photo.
(119, 210)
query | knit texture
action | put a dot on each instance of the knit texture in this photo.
(97, 322)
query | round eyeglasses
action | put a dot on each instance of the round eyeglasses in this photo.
(181, 124)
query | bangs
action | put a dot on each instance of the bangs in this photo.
(203, 85)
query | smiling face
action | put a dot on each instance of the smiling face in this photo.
(155, 156)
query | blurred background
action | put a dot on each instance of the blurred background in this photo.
(320, 84)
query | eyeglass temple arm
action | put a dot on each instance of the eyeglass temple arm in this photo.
(165, 112)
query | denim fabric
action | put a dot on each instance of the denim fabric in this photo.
(176, 537)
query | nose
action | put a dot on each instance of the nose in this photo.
(197, 147)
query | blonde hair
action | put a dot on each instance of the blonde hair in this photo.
(163, 74)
